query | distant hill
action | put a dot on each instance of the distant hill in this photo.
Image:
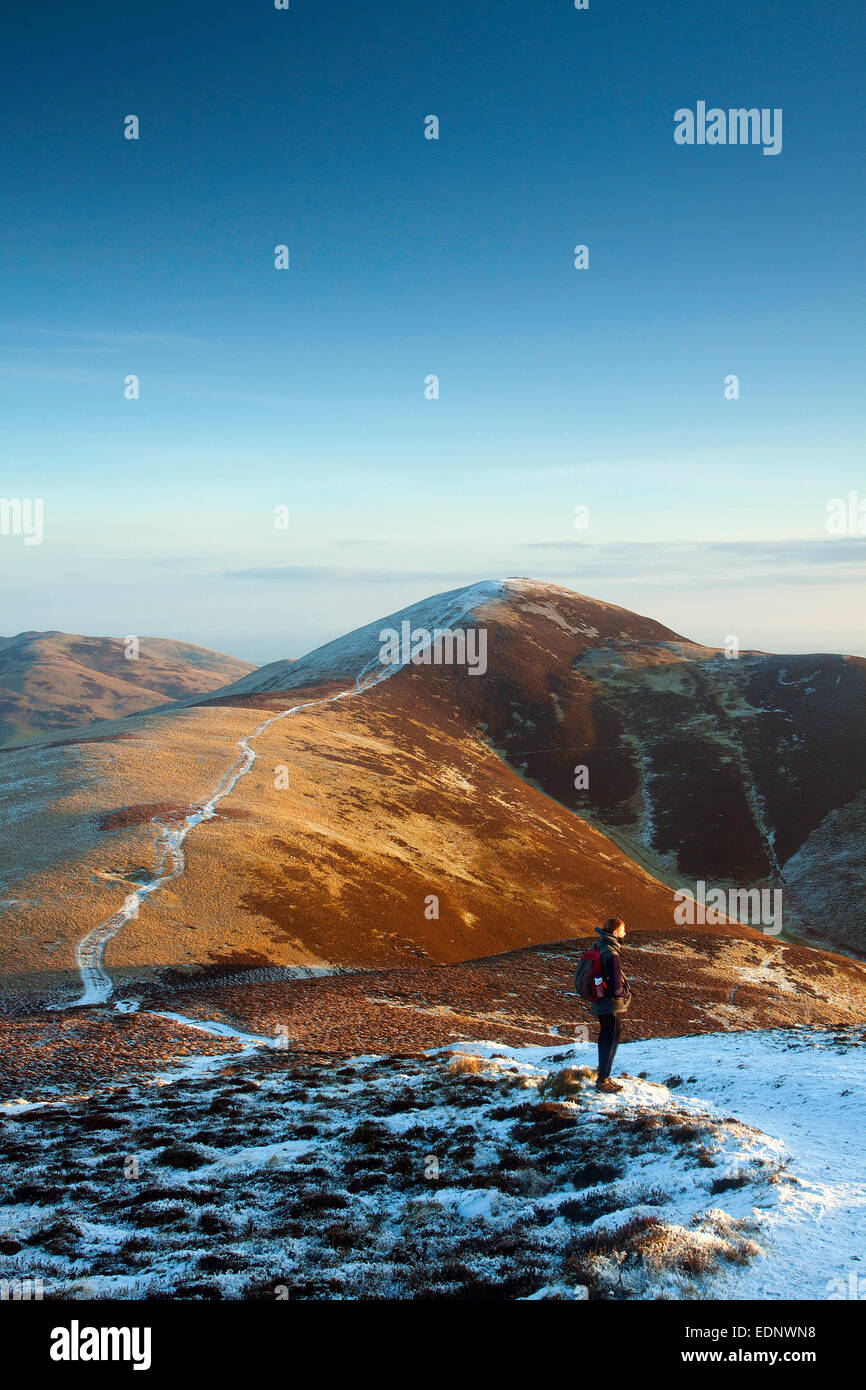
(53, 681)
(745, 773)
(340, 812)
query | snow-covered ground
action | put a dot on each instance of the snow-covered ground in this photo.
(358, 651)
(804, 1093)
(731, 1169)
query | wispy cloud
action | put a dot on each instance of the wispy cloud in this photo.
(828, 551)
(834, 560)
(343, 574)
(702, 564)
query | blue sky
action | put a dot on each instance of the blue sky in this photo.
(305, 388)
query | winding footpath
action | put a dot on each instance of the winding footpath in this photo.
(169, 858)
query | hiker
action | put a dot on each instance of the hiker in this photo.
(607, 993)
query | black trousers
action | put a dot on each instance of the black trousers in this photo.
(609, 1033)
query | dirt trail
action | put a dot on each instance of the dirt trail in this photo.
(97, 985)
(169, 860)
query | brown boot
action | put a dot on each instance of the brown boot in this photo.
(608, 1086)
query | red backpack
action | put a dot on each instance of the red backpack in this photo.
(589, 976)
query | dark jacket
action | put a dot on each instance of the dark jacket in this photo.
(618, 991)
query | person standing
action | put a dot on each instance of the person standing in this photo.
(610, 1009)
